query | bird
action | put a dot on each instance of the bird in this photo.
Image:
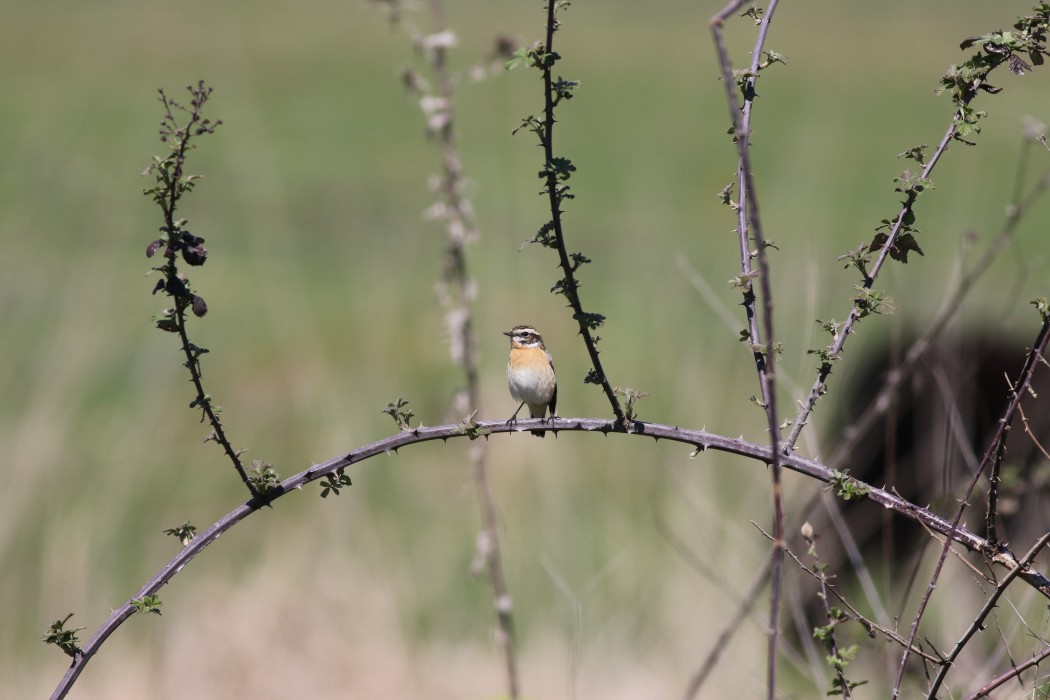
(530, 374)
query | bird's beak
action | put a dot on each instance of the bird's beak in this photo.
(508, 333)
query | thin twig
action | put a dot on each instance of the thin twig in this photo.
(991, 513)
(865, 622)
(1031, 435)
(729, 629)
(989, 605)
(831, 640)
(1012, 673)
(993, 453)
(860, 567)
(745, 603)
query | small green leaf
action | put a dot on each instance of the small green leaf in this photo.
(185, 532)
(333, 482)
(398, 411)
(471, 429)
(147, 604)
(262, 476)
(64, 639)
(1043, 307)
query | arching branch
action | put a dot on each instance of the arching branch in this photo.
(699, 439)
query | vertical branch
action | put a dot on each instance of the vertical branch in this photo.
(554, 195)
(457, 294)
(171, 185)
(750, 227)
(833, 616)
(555, 172)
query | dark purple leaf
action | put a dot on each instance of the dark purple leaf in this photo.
(194, 251)
(1018, 66)
(176, 287)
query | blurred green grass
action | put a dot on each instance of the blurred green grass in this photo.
(320, 286)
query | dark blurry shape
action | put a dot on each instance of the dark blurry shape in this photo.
(926, 447)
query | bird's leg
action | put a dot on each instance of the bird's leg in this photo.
(514, 418)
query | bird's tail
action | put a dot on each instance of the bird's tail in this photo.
(542, 414)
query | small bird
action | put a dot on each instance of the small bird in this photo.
(530, 374)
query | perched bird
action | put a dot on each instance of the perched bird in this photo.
(530, 374)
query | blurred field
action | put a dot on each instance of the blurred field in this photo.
(320, 285)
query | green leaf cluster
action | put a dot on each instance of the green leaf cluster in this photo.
(593, 377)
(398, 411)
(962, 82)
(743, 281)
(532, 57)
(262, 476)
(147, 604)
(725, 196)
(630, 397)
(1043, 307)
(471, 429)
(846, 487)
(185, 532)
(905, 240)
(332, 483)
(592, 321)
(64, 639)
(870, 302)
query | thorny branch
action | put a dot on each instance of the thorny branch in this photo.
(750, 226)
(964, 82)
(699, 439)
(992, 454)
(172, 184)
(555, 193)
(989, 605)
(878, 406)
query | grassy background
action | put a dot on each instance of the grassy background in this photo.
(320, 286)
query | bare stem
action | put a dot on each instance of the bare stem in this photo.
(864, 621)
(989, 605)
(721, 643)
(460, 227)
(750, 226)
(1012, 673)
